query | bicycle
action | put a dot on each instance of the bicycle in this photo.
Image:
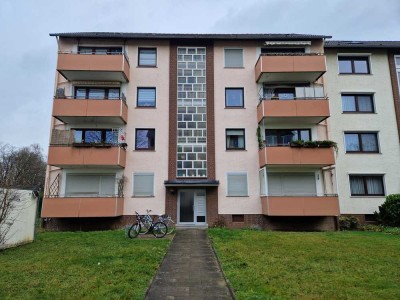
(159, 229)
(168, 221)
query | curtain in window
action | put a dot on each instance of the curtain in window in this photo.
(235, 138)
(145, 138)
(374, 185)
(352, 143)
(368, 141)
(147, 57)
(348, 103)
(237, 184)
(272, 140)
(233, 58)
(97, 93)
(80, 94)
(365, 103)
(357, 185)
(146, 97)
(113, 94)
(143, 184)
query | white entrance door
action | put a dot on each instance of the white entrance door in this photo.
(192, 207)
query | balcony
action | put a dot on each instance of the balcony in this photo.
(89, 207)
(105, 67)
(292, 156)
(297, 105)
(300, 205)
(306, 67)
(83, 111)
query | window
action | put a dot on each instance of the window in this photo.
(237, 184)
(361, 142)
(354, 65)
(146, 97)
(235, 139)
(234, 97)
(291, 184)
(237, 218)
(145, 139)
(283, 137)
(90, 185)
(233, 58)
(97, 93)
(283, 50)
(362, 103)
(95, 136)
(147, 57)
(366, 185)
(100, 50)
(143, 184)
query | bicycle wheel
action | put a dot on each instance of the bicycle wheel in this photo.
(144, 227)
(171, 226)
(134, 230)
(159, 229)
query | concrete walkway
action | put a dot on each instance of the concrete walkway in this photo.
(190, 270)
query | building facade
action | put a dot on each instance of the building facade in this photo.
(218, 129)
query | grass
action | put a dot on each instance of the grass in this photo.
(80, 265)
(330, 265)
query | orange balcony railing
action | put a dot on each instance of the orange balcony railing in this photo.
(290, 68)
(61, 207)
(69, 110)
(300, 205)
(106, 67)
(87, 155)
(291, 156)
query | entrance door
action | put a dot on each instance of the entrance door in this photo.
(192, 207)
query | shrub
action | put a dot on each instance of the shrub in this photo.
(372, 228)
(349, 223)
(389, 211)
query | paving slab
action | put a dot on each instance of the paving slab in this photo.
(189, 270)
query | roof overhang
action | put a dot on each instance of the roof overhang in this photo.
(190, 182)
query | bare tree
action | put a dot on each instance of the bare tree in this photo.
(23, 168)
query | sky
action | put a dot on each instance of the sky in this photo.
(29, 55)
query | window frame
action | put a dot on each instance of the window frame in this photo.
(226, 98)
(289, 129)
(108, 52)
(360, 133)
(356, 95)
(234, 67)
(152, 194)
(145, 149)
(103, 135)
(106, 92)
(364, 178)
(147, 66)
(146, 88)
(352, 59)
(227, 183)
(226, 139)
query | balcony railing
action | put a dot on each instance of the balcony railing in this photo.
(107, 66)
(290, 67)
(302, 205)
(292, 93)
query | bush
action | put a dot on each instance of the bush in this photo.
(389, 211)
(381, 228)
(349, 223)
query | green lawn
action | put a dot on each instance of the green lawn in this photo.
(76, 265)
(288, 265)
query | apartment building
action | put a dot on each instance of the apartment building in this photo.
(364, 100)
(174, 123)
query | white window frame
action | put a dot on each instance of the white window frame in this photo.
(133, 184)
(235, 67)
(227, 183)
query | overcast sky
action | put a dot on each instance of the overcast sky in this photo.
(28, 54)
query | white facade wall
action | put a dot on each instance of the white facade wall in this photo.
(154, 161)
(383, 121)
(225, 118)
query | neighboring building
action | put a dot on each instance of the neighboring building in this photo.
(363, 123)
(174, 122)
